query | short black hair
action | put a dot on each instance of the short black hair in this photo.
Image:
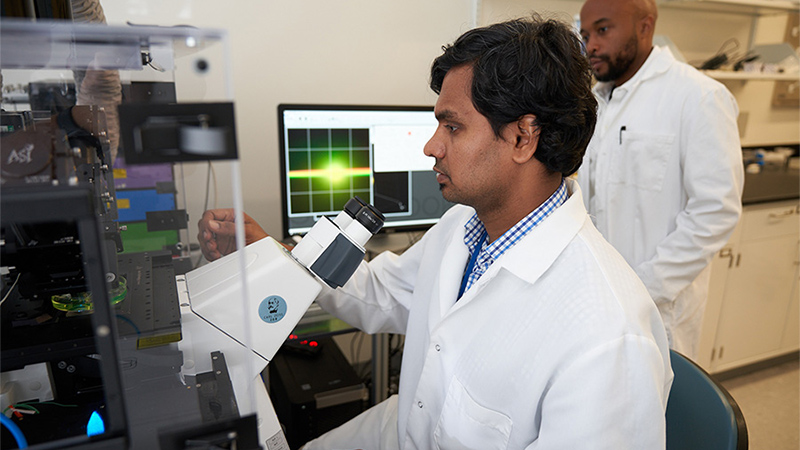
(529, 66)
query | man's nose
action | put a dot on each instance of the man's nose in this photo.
(433, 147)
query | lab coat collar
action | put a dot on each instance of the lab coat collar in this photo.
(451, 272)
(659, 60)
(537, 251)
(528, 259)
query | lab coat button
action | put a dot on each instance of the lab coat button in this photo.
(419, 404)
(438, 347)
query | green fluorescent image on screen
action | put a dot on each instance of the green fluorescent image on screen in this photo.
(327, 167)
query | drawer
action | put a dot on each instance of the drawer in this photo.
(771, 220)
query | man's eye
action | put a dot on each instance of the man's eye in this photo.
(451, 128)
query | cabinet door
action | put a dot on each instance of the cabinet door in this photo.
(758, 287)
(791, 334)
(757, 294)
(720, 267)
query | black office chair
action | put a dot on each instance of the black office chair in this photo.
(701, 414)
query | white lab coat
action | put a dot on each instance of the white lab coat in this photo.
(663, 181)
(556, 346)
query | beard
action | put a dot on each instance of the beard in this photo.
(619, 63)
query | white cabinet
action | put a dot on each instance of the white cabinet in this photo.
(752, 312)
(791, 334)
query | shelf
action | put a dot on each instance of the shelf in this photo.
(750, 7)
(751, 76)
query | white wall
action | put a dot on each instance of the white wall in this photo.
(379, 52)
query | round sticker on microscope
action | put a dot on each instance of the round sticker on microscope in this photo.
(272, 309)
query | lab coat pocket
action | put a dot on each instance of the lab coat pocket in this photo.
(464, 424)
(642, 160)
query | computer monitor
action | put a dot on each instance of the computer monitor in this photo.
(331, 153)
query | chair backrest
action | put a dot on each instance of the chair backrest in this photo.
(701, 414)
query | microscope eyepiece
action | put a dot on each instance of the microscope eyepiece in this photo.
(353, 206)
(370, 218)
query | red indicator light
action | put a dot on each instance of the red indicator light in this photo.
(313, 344)
(304, 342)
(292, 336)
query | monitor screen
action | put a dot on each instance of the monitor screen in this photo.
(331, 153)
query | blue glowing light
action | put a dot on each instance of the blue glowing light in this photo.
(95, 425)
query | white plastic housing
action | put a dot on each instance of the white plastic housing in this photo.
(273, 276)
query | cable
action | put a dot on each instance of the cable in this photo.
(205, 208)
(11, 289)
(214, 179)
(208, 186)
(47, 403)
(399, 347)
(29, 405)
(129, 322)
(21, 407)
(733, 41)
(15, 431)
(210, 174)
(723, 56)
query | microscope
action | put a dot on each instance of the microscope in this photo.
(277, 289)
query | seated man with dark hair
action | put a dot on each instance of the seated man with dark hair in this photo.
(524, 327)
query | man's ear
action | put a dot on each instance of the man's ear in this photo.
(647, 25)
(526, 132)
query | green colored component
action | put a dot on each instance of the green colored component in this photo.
(82, 302)
(73, 303)
(158, 340)
(331, 325)
(137, 239)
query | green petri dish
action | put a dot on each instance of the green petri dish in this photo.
(82, 302)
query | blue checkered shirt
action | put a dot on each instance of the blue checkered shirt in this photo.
(490, 252)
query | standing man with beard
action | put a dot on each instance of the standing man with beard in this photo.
(662, 175)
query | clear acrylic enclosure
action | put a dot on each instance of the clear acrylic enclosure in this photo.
(115, 140)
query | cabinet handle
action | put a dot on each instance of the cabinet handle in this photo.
(727, 253)
(721, 349)
(781, 214)
(738, 258)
